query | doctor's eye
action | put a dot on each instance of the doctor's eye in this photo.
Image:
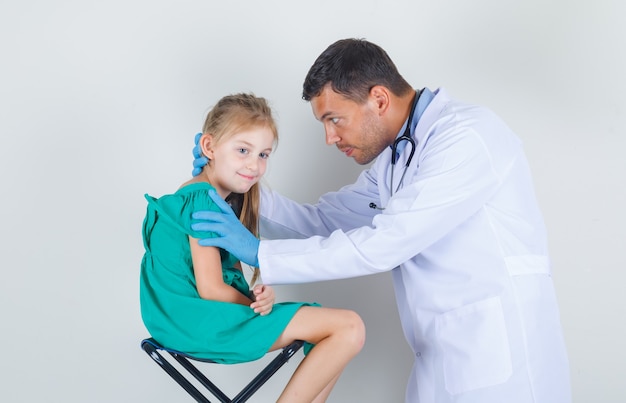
(334, 120)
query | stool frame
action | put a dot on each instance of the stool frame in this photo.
(153, 348)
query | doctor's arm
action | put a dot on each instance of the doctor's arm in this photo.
(345, 209)
(454, 181)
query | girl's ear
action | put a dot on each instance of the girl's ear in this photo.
(206, 142)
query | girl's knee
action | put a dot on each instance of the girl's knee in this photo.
(355, 330)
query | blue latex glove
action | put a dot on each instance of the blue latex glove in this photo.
(231, 234)
(199, 160)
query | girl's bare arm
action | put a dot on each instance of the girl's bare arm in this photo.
(207, 269)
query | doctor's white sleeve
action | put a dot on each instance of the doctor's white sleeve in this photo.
(455, 179)
(345, 209)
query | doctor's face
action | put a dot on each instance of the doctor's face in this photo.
(356, 129)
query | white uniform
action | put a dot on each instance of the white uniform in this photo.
(467, 247)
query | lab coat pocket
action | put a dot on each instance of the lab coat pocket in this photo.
(475, 346)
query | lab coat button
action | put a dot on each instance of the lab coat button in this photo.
(418, 354)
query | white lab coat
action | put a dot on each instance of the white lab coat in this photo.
(466, 244)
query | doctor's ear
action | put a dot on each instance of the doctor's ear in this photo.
(206, 145)
(380, 97)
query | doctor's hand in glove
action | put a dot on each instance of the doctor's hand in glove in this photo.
(263, 296)
(231, 234)
(199, 160)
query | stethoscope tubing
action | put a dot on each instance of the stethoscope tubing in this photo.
(406, 136)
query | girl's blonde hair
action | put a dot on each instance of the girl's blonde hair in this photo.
(233, 114)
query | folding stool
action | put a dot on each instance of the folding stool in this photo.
(152, 348)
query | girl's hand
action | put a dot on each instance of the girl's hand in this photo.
(263, 299)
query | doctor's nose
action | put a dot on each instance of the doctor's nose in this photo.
(331, 137)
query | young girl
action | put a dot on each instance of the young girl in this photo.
(196, 300)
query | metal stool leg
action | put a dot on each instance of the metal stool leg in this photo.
(267, 372)
(217, 392)
(151, 347)
(173, 372)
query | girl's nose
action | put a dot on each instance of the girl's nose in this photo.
(253, 164)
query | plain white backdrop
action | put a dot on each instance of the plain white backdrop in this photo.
(99, 104)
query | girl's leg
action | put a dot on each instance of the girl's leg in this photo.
(321, 398)
(338, 335)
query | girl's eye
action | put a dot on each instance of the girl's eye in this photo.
(264, 155)
(243, 150)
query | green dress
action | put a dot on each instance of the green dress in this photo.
(171, 307)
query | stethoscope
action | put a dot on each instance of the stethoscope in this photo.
(406, 136)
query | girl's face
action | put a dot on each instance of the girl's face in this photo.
(239, 161)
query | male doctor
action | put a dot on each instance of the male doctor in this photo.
(449, 209)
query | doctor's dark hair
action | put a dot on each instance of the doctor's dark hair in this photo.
(353, 67)
(231, 115)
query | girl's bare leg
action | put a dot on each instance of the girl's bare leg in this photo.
(321, 398)
(338, 336)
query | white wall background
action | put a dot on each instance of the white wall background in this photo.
(99, 102)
